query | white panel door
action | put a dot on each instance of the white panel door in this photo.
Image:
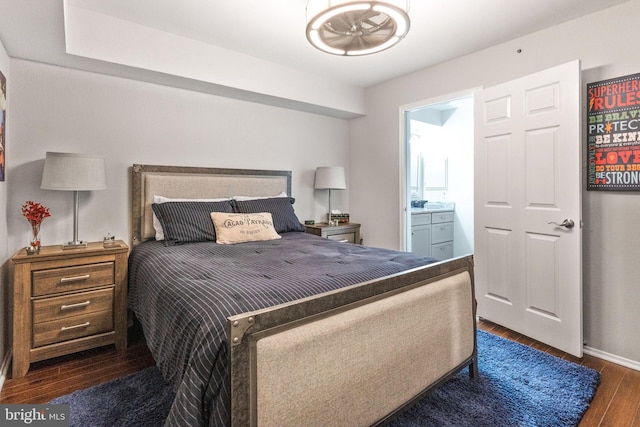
(527, 182)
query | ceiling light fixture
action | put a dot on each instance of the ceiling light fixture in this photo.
(352, 28)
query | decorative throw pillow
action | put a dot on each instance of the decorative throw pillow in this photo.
(239, 228)
(161, 199)
(184, 222)
(280, 208)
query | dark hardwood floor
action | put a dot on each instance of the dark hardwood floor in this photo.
(616, 403)
(56, 377)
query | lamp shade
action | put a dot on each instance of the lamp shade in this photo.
(330, 177)
(73, 172)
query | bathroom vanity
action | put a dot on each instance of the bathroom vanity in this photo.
(432, 230)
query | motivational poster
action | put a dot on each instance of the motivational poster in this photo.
(613, 134)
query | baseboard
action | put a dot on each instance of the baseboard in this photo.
(627, 363)
(4, 368)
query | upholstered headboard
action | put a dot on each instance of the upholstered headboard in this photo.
(197, 183)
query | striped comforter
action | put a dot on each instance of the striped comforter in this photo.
(183, 294)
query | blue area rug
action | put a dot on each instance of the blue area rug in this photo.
(517, 386)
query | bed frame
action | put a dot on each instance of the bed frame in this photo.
(355, 356)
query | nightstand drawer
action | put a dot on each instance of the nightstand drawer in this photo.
(61, 307)
(347, 232)
(345, 237)
(72, 327)
(67, 279)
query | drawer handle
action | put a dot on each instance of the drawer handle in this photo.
(344, 241)
(77, 305)
(75, 279)
(82, 325)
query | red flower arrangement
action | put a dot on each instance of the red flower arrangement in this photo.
(35, 212)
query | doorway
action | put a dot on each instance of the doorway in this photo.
(524, 135)
(438, 151)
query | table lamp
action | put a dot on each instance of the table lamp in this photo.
(74, 172)
(330, 178)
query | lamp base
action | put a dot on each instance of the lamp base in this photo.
(75, 245)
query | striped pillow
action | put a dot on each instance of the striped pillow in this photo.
(185, 222)
(280, 208)
(161, 199)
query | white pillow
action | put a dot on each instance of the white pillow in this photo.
(243, 227)
(161, 199)
(243, 198)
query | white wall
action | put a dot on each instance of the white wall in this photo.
(4, 252)
(603, 42)
(459, 129)
(107, 38)
(126, 121)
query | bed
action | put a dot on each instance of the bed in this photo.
(288, 330)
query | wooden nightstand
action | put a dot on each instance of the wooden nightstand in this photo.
(348, 232)
(66, 301)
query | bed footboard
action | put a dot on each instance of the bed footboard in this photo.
(353, 356)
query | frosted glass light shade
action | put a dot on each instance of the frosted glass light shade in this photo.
(73, 172)
(356, 27)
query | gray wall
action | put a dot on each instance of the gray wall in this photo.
(602, 42)
(126, 121)
(4, 252)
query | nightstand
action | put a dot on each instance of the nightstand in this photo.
(348, 232)
(66, 301)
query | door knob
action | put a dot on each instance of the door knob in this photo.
(567, 223)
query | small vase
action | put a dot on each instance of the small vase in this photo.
(34, 241)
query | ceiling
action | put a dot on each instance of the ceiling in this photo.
(273, 33)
